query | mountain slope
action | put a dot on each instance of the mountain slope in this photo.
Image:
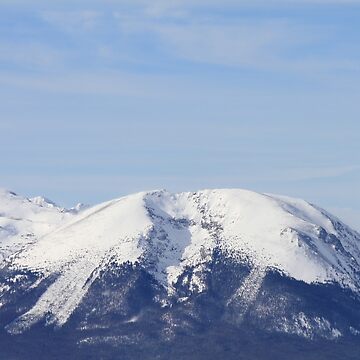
(192, 260)
(24, 220)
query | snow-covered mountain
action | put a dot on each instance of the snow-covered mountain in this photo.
(263, 260)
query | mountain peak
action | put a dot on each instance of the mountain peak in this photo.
(176, 238)
(170, 232)
(43, 202)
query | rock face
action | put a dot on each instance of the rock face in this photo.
(210, 274)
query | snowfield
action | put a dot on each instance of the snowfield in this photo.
(23, 221)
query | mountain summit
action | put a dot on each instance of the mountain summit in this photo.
(171, 266)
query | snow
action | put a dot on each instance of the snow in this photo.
(77, 251)
(167, 232)
(307, 326)
(43, 202)
(247, 292)
(115, 226)
(23, 221)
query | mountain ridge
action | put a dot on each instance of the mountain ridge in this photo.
(276, 254)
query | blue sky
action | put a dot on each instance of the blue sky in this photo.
(103, 98)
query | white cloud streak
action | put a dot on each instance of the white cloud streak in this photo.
(257, 44)
(30, 54)
(263, 44)
(84, 83)
(84, 20)
(116, 83)
(300, 174)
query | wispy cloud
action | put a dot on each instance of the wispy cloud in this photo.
(73, 20)
(185, 31)
(300, 174)
(266, 44)
(101, 83)
(247, 45)
(30, 55)
(158, 8)
(182, 8)
(81, 83)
